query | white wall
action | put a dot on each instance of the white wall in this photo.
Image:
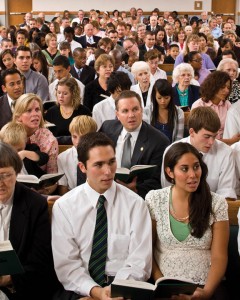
(75, 5)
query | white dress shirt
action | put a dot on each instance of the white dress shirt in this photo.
(5, 218)
(159, 74)
(232, 123)
(221, 168)
(129, 242)
(52, 89)
(104, 110)
(67, 162)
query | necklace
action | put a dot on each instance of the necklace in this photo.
(64, 112)
(173, 213)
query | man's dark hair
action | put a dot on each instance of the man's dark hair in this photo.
(61, 60)
(118, 80)
(69, 29)
(89, 141)
(7, 72)
(128, 94)
(112, 31)
(23, 48)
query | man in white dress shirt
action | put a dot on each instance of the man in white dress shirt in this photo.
(129, 254)
(61, 67)
(203, 124)
(105, 109)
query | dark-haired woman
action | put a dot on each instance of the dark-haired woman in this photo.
(190, 225)
(215, 91)
(166, 116)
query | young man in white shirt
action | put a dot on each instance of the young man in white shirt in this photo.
(203, 124)
(126, 244)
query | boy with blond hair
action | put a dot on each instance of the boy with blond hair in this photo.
(15, 135)
(68, 160)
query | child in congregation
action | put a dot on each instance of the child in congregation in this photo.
(79, 126)
(65, 49)
(15, 135)
(173, 53)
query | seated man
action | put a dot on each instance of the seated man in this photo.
(124, 245)
(203, 124)
(147, 144)
(105, 109)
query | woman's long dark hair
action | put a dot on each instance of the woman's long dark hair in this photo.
(164, 88)
(41, 57)
(200, 203)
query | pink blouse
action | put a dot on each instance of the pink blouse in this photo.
(221, 109)
(47, 143)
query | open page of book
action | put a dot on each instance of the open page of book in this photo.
(135, 284)
(6, 246)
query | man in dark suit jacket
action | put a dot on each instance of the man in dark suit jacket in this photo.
(80, 70)
(88, 40)
(147, 143)
(153, 26)
(13, 88)
(149, 43)
(29, 233)
(131, 49)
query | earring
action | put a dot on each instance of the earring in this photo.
(172, 181)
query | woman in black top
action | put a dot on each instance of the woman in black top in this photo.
(68, 106)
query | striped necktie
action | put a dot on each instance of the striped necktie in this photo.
(98, 256)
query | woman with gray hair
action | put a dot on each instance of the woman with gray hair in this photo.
(184, 93)
(230, 66)
(144, 86)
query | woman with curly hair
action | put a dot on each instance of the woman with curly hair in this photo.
(215, 91)
(67, 107)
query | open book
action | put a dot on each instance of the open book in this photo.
(143, 171)
(165, 287)
(38, 183)
(9, 261)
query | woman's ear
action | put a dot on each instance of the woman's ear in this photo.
(169, 172)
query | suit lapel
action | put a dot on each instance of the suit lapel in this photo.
(19, 219)
(140, 146)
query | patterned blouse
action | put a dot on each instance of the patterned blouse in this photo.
(190, 258)
(47, 143)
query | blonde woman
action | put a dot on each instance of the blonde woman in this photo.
(68, 106)
(52, 51)
(193, 44)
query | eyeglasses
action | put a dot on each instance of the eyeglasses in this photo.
(197, 60)
(128, 48)
(5, 176)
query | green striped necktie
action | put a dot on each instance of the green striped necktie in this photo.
(98, 256)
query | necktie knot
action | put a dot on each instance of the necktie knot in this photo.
(101, 200)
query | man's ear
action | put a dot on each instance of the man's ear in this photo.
(4, 89)
(82, 167)
(191, 132)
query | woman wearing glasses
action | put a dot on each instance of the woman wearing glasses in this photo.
(194, 58)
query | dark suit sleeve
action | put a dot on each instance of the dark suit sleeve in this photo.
(157, 146)
(34, 247)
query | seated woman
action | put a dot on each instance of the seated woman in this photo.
(68, 106)
(29, 111)
(40, 64)
(190, 225)
(166, 116)
(230, 66)
(52, 48)
(184, 93)
(193, 44)
(194, 58)
(141, 73)
(152, 57)
(96, 90)
(215, 91)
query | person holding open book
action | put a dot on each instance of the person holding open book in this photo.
(97, 227)
(24, 220)
(137, 142)
(190, 225)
